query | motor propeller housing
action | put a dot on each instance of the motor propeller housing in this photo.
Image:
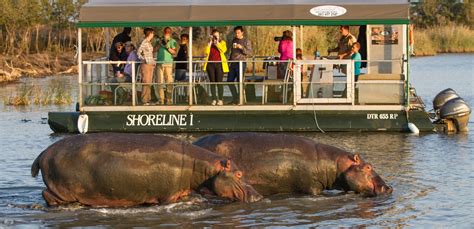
(450, 109)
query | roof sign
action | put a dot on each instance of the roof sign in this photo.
(328, 11)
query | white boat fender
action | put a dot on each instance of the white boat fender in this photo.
(413, 128)
(83, 123)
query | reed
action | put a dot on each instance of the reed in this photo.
(444, 39)
(58, 92)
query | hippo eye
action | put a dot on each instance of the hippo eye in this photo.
(367, 167)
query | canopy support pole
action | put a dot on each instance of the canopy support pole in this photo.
(107, 42)
(190, 66)
(296, 71)
(301, 39)
(294, 42)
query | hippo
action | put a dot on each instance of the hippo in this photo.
(121, 170)
(279, 163)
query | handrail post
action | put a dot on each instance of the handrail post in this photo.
(353, 83)
(407, 75)
(89, 79)
(241, 83)
(254, 69)
(134, 89)
(297, 72)
(79, 64)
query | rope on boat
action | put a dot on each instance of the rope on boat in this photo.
(316, 120)
(315, 115)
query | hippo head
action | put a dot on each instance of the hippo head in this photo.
(229, 184)
(362, 178)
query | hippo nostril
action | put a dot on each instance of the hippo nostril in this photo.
(256, 198)
(386, 189)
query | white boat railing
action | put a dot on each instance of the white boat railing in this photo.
(325, 81)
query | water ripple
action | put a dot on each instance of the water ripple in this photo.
(432, 176)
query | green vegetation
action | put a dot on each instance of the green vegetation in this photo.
(38, 37)
(444, 39)
(35, 26)
(443, 26)
(435, 13)
(57, 92)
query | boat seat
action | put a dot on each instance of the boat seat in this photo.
(199, 76)
(128, 86)
(364, 77)
(287, 78)
(381, 89)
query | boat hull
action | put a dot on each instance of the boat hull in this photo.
(228, 121)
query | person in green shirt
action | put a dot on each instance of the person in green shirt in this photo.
(166, 50)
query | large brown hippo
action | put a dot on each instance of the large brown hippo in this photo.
(113, 170)
(278, 163)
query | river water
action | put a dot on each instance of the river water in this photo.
(432, 174)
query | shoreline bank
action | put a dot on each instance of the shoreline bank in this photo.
(428, 42)
(13, 68)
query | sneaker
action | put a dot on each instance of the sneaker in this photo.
(214, 102)
(146, 104)
(234, 103)
(220, 103)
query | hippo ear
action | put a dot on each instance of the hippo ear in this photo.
(356, 159)
(238, 174)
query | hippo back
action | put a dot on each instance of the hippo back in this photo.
(123, 169)
(279, 163)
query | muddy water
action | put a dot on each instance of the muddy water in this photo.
(432, 174)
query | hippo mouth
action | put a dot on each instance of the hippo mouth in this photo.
(385, 189)
(251, 195)
(380, 189)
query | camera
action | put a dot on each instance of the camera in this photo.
(278, 38)
(164, 42)
(161, 40)
(214, 38)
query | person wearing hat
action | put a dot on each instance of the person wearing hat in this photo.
(123, 37)
(131, 57)
(126, 76)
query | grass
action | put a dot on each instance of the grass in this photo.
(444, 39)
(57, 92)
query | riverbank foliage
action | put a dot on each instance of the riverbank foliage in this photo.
(443, 26)
(444, 39)
(38, 37)
(57, 92)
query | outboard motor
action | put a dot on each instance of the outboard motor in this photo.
(458, 111)
(443, 97)
(451, 111)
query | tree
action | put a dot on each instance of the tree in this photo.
(441, 12)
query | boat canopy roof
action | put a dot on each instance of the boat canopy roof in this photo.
(118, 13)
